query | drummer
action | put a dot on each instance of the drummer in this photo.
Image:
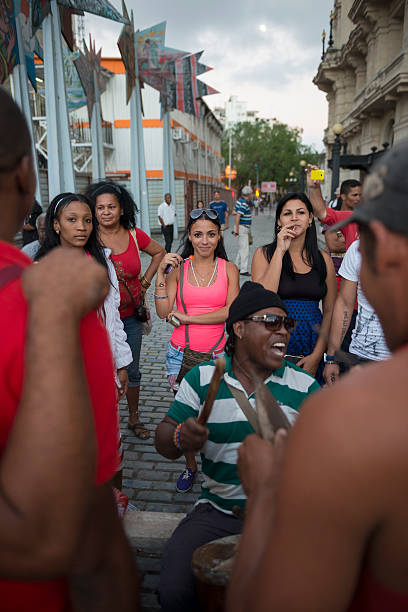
(259, 331)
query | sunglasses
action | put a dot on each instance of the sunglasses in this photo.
(196, 213)
(274, 322)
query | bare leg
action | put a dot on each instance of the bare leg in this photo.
(134, 423)
(190, 461)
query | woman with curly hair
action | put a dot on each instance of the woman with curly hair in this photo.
(115, 212)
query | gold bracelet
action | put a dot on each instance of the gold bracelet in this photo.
(144, 282)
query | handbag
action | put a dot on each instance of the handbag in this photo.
(191, 358)
(142, 310)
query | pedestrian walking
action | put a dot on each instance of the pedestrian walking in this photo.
(303, 276)
(115, 214)
(204, 283)
(166, 213)
(222, 209)
(243, 222)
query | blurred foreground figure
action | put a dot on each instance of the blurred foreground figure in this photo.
(61, 541)
(326, 524)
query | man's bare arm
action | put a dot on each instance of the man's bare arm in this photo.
(47, 469)
(315, 195)
(104, 576)
(323, 518)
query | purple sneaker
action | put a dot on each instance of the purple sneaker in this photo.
(186, 480)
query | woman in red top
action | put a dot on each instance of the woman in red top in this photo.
(115, 212)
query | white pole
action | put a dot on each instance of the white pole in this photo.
(60, 167)
(229, 159)
(169, 185)
(21, 96)
(98, 165)
(138, 164)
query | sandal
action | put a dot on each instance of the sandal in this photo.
(139, 430)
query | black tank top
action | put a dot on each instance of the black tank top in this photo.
(302, 287)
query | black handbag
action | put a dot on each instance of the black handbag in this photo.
(192, 358)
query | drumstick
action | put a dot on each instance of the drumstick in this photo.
(212, 390)
(270, 415)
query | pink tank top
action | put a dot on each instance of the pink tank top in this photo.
(200, 300)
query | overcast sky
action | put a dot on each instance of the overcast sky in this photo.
(266, 52)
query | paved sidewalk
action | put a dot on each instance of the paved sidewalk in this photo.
(149, 479)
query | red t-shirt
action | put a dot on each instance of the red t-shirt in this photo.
(127, 266)
(51, 596)
(350, 232)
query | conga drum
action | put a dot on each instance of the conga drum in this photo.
(212, 566)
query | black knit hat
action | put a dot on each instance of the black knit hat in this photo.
(250, 299)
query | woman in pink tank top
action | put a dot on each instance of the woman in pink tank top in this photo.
(203, 283)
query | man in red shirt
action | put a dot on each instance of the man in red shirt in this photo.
(328, 215)
(63, 534)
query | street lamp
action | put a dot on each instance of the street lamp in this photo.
(337, 130)
(302, 165)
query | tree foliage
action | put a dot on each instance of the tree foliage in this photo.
(274, 147)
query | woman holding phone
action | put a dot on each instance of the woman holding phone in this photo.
(303, 276)
(203, 283)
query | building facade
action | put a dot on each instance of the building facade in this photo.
(364, 73)
(234, 111)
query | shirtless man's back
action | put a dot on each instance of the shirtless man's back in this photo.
(338, 539)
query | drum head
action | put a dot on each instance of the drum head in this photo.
(212, 563)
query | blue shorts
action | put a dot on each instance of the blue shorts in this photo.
(174, 357)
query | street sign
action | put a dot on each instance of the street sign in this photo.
(268, 187)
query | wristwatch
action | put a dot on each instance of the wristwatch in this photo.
(329, 358)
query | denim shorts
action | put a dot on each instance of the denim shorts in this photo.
(174, 357)
(133, 329)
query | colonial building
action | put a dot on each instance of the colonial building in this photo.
(365, 74)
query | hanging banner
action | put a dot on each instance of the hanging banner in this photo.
(9, 55)
(126, 44)
(184, 91)
(103, 8)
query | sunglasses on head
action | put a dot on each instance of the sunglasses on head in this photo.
(274, 322)
(196, 213)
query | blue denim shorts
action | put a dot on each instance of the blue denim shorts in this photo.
(174, 357)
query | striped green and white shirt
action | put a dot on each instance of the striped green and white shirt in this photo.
(228, 425)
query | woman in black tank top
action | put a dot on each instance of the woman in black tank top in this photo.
(303, 276)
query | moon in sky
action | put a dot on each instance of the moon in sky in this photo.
(262, 27)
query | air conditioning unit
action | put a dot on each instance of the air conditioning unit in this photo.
(177, 133)
(195, 145)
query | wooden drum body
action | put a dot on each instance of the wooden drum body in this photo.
(212, 566)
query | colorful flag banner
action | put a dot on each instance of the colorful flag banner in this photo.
(184, 91)
(126, 44)
(9, 55)
(103, 8)
(87, 64)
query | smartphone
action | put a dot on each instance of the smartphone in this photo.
(317, 175)
(168, 269)
(174, 321)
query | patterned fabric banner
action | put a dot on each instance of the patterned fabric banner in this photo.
(126, 44)
(103, 8)
(183, 93)
(87, 64)
(9, 56)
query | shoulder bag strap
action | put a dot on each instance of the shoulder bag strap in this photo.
(122, 280)
(181, 284)
(10, 273)
(187, 339)
(245, 405)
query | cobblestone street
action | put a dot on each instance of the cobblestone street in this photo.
(149, 479)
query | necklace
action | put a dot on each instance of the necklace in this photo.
(212, 276)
